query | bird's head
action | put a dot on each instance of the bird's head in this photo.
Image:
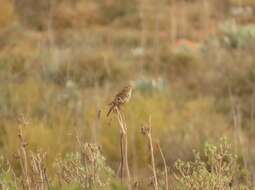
(129, 87)
(131, 84)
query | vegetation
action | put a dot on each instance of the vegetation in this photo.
(192, 65)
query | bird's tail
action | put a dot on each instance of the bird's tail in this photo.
(110, 110)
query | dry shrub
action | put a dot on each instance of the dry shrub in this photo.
(243, 2)
(75, 15)
(90, 70)
(68, 14)
(7, 14)
(182, 69)
(230, 73)
(33, 13)
(179, 63)
(186, 130)
(72, 14)
(113, 10)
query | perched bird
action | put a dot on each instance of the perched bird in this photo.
(121, 98)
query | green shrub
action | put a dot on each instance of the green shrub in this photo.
(217, 168)
(235, 36)
(7, 180)
(85, 169)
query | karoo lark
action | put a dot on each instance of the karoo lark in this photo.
(121, 98)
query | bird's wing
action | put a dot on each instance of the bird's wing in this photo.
(110, 110)
(120, 94)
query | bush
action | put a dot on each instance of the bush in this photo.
(6, 175)
(235, 36)
(112, 10)
(86, 169)
(218, 169)
(89, 70)
(32, 13)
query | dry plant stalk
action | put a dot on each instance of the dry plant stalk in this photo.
(146, 130)
(165, 166)
(33, 170)
(123, 149)
(22, 155)
(39, 178)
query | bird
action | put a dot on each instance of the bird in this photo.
(121, 98)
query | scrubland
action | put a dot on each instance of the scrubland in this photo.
(193, 69)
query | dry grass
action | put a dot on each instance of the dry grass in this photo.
(61, 62)
(87, 169)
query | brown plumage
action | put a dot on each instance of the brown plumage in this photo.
(121, 98)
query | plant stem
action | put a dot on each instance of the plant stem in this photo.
(165, 166)
(124, 149)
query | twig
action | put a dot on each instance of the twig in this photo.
(165, 166)
(146, 130)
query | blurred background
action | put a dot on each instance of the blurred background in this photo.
(192, 63)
